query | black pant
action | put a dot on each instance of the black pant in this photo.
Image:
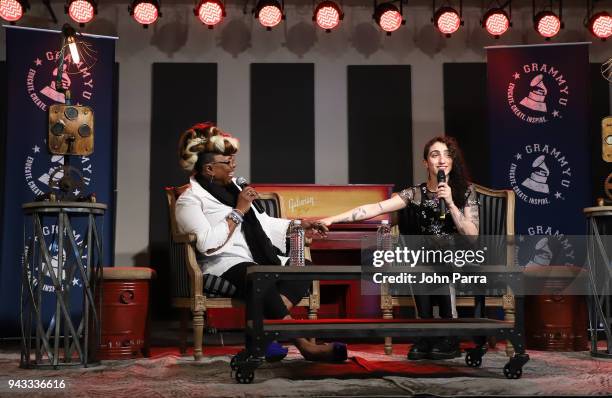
(273, 305)
(425, 303)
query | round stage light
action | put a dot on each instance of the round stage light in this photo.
(145, 12)
(12, 10)
(210, 12)
(600, 25)
(547, 24)
(327, 15)
(269, 13)
(447, 20)
(496, 22)
(81, 11)
(388, 17)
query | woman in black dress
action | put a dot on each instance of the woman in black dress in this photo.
(422, 205)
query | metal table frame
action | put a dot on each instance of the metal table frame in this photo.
(43, 350)
(600, 282)
(260, 333)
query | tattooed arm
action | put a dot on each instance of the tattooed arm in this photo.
(367, 211)
(467, 220)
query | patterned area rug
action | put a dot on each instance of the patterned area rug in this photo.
(368, 373)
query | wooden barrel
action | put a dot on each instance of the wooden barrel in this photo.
(555, 322)
(125, 312)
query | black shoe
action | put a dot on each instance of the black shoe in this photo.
(419, 350)
(447, 348)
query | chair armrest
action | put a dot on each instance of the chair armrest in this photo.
(184, 238)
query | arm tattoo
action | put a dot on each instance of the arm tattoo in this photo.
(358, 213)
(380, 207)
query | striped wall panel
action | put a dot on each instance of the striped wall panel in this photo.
(182, 94)
(282, 123)
(380, 124)
(465, 115)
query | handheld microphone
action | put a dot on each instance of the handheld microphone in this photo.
(242, 183)
(442, 178)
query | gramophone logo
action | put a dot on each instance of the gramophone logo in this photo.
(40, 174)
(540, 174)
(544, 246)
(537, 93)
(42, 75)
(50, 232)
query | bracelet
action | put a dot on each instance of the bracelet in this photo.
(235, 217)
(240, 213)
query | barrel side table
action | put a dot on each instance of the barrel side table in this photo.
(62, 273)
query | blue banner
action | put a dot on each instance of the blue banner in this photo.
(32, 66)
(538, 128)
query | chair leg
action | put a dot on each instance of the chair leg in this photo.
(198, 334)
(313, 314)
(508, 305)
(388, 345)
(184, 320)
(386, 305)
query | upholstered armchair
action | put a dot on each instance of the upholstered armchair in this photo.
(188, 283)
(496, 219)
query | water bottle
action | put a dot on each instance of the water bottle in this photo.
(296, 244)
(383, 236)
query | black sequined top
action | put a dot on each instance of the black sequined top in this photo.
(423, 212)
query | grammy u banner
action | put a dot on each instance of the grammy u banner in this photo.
(32, 67)
(538, 128)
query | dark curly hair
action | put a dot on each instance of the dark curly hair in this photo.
(459, 176)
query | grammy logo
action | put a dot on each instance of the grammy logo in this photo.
(538, 178)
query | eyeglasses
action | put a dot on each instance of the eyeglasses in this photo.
(225, 162)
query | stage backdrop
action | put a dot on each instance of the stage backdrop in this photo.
(539, 139)
(31, 70)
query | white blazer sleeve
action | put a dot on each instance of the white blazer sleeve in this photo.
(191, 220)
(275, 228)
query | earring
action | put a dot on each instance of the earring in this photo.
(211, 178)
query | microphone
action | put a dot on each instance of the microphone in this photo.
(242, 183)
(442, 178)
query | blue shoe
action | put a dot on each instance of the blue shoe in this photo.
(275, 352)
(340, 352)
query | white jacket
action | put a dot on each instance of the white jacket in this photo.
(200, 213)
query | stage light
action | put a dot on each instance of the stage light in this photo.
(447, 20)
(496, 21)
(600, 25)
(547, 24)
(81, 11)
(328, 15)
(269, 13)
(388, 17)
(13, 10)
(210, 12)
(145, 12)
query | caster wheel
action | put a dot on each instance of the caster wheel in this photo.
(512, 373)
(244, 376)
(473, 361)
(241, 356)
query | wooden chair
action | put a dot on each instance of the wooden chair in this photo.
(187, 279)
(496, 218)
